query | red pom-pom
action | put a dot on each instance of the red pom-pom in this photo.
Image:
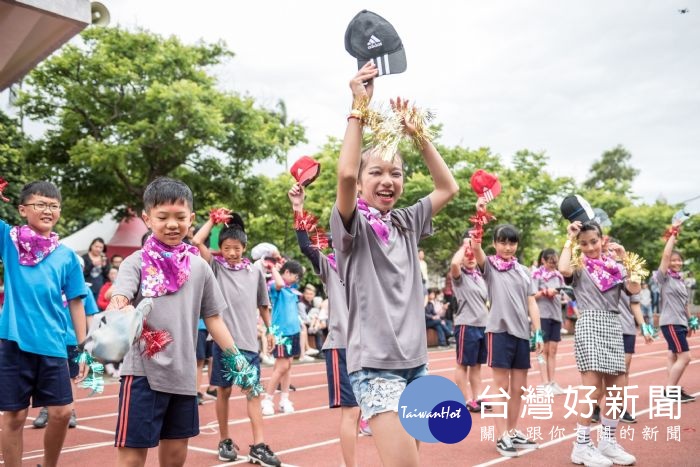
(219, 216)
(319, 240)
(154, 340)
(3, 185)
(305, 221)
(671, 231)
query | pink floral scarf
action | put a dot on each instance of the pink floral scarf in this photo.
(378, 221)
(545, 274)
(674, 274)
(32, 248)
(501, 264)
(164, 269)
(243, 264)
(474, 273)
(604, 271)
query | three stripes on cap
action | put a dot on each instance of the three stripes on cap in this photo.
(382, 64)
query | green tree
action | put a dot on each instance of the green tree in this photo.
(127, 107)
(14, 170)
(612, 171)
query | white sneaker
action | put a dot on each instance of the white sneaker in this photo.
(588, 455)
(306, 359)
(556, 389)
(311, 352)
(268, 407)
(286, 406)
(615, 452)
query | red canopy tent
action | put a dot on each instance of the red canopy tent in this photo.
(127, 238)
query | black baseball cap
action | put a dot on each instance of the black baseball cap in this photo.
(575, 208)
(371, 37)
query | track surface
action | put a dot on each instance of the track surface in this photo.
(309, 437)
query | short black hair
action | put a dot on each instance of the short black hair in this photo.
(39, 188)
(506, 233)
(590, 226)
(545, 254)
(294, 267)
(164, 190)
(100, 240)
(234, 230)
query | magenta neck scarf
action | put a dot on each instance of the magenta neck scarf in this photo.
(32, 248)
(545, 274)
(331, 261)
(605, 272)
(674, 274)
(378, 221)
(164, 269)
(473, 273)
(243, 264)
(501, 264)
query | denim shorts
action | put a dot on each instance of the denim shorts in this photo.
(378, 391)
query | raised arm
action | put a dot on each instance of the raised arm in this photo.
(456, 263)
(296, 197)
(362, 86)
(565, 267)
(479, 254)
(199, 239)
(668, 250)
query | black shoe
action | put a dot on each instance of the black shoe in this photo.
(685, 397)
(228, 451)
(595, 418)
(42, 419)
(627, 418)
(200, 398)
(520, 441)
(291, 387)
(505, 447)
(211, 392)
(263, 455)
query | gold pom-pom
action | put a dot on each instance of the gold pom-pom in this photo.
(634, 264)
(576, 257)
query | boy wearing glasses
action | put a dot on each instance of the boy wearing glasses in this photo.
(33, 357)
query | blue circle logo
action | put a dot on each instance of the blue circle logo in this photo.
(432, 409)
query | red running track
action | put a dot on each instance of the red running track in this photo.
(309, 437)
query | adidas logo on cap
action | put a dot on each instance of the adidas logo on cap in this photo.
(373, 42)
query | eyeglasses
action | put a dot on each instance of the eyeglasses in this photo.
(41, 207)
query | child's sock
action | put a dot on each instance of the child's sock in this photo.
(284, 396)
(583, 434)
(608, 429)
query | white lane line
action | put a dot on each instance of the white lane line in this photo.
(82, 447)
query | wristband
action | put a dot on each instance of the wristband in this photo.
(267, 330)
(355, 113)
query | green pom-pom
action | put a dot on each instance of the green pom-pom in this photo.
(694, 323)
(281, 339)
(94, 380)
(240, 372)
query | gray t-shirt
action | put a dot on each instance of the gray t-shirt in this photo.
(384, 289)
(337, 307)
(471, 295)
(508, 294)
(589, 296)
(626, 317)
(673, 300)
(550, 308)
(173, 369)
(244, 291)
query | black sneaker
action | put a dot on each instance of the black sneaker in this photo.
(228, 451)
(595, 418)
(627, 418)
(520, 441)
(42, 419)
(73, 422)
(292, 388)
(685, 397)
(263, 455)
(211, 392)
(505, 447)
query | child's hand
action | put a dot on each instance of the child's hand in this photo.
(360, 90)
(270, 341)
(481, 203)
(618, 250)
(296, 195)
(573, 230)
(401, 107)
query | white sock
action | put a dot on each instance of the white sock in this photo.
(284, 396)
(583, 434)
(608, 429)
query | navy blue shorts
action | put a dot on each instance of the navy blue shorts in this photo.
(339, 388)
(73, 367)
(629, 340)
(471, 345)
(281, 351)
(551, 330)
(203, 345)
(676, 337)
(506, 351)
(26, 376)
(146, 416)
(216, 378)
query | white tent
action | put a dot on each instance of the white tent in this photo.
(80, 240)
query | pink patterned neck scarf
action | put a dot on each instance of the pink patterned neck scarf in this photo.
(605, 272)
(331, 261)
(164, 269)
(674, 274)
(378, 221)
(474, 273)
(545, 274)
(243, 264)
(32, 248)
(501, 264)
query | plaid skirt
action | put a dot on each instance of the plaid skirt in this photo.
(598, 344)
